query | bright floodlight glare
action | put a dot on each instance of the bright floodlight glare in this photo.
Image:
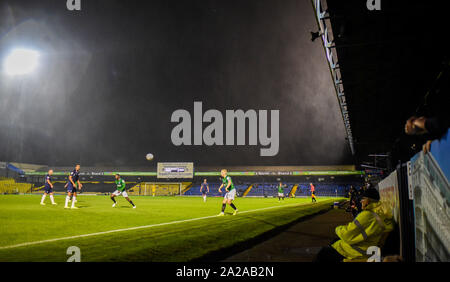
(21, 61)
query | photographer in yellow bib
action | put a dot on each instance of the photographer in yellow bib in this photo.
(369, 228)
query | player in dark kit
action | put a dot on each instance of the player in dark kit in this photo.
(204, 189)
(48, 188)
(72, 184)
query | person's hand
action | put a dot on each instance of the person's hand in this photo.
(427, 146)
(415, 126)
(409, 125)
(220, 191)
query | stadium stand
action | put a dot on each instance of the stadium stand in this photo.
(213, 189)
(270, 189)
(101, 180)
(10, 186)
(90, 186)
(159, 188)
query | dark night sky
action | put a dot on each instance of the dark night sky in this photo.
(111, 75)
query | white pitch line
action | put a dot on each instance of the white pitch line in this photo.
(134, 228)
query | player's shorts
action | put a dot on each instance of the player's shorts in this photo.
(204, 192)
(230, 195)
(118, 193)
(48, 189)
(71, 188)
(280, 195)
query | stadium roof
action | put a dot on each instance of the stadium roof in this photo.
(388, 60)
(204, 168)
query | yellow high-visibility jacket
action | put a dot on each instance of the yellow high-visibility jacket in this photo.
(366, 230)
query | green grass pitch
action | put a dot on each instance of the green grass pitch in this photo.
(175, 228)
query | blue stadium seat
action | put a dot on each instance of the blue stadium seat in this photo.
(270, 189)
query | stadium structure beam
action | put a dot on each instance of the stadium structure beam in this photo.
(324, 28)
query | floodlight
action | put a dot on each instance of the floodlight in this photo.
(21, 61)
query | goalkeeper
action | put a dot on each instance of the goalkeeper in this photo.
(120, 183)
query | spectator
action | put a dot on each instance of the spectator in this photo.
(431, 127)
(432, 119)
(358, 198)
(353, 202)
(368, 229)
